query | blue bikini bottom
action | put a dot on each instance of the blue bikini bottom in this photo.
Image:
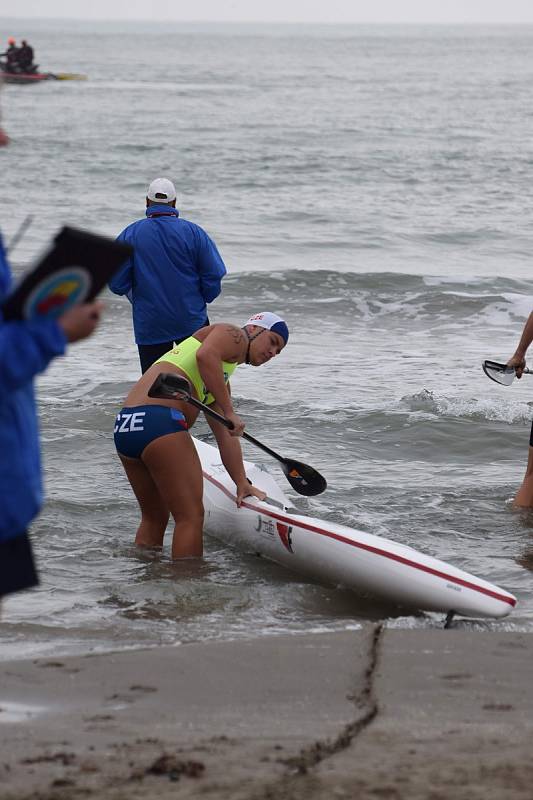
(136, 427)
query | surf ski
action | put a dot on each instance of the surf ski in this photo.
(336, 554)
(38, 77)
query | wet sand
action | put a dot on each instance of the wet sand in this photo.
(374, 713)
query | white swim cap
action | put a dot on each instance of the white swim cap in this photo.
(270, 321)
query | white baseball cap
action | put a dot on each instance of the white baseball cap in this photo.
(161, 190)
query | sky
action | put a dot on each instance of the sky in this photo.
(312, 11)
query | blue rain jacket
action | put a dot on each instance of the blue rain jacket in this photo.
(26, 348)
(175, 270)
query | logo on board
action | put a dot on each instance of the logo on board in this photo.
(285, 534)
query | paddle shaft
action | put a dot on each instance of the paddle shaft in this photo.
(303, 478)
(227, 424)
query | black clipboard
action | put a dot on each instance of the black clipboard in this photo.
(74, 270)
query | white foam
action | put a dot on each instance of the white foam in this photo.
(19, 712)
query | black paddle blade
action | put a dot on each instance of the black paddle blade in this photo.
(500, 373)
(170, 386)
(303, 478)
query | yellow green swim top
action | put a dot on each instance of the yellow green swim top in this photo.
(183, 356)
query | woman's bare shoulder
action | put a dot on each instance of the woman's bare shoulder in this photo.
(227, 338)
(221, 330)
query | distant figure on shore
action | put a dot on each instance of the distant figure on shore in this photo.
(524, 496)
(25, 57)
(174, 272)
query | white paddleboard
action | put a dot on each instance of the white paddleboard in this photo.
(336, 554)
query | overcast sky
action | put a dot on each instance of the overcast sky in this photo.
(470, 11)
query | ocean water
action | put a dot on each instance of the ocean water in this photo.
(372, 184)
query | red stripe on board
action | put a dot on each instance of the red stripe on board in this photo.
(376, 550)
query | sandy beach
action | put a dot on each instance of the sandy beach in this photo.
(373, 713)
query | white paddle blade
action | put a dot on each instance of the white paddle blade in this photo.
(500, 373)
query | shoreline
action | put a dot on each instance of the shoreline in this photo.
(365, 713)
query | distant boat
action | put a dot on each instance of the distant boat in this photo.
(37, 77)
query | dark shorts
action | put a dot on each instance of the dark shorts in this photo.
(136, 427)
(17, 568)
(149, 353)
(531, 436)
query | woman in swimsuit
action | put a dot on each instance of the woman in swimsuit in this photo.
(151, 434)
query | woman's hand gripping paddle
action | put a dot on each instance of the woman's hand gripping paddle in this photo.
(501, 373)
(303, 479)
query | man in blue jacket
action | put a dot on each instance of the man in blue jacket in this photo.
(174, 272)
(26, 348)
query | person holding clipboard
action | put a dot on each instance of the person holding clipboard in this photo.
(26, 349)
(52, 307)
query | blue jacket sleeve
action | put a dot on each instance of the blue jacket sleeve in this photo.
(26, 348)
(122, 280)
(211, 268)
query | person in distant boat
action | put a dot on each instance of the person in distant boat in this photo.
(11, 56)
(174, 272)
(26, 349)
(524, 496)
(25, 57)
(152, 439)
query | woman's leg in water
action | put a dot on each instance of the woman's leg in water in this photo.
(524, 496)
(175, 469)
(154, 513)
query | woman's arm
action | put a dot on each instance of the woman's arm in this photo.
(518, 359)
(223, 343)
(231, 454)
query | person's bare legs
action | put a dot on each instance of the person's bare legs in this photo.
(524, 496)
(175, 469)
(155, 514)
